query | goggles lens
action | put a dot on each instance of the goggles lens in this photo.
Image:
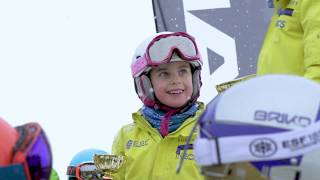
(33, 151)
(161, 49)
(91, 175)
(39, 158)
(85, 171)
(89, 171)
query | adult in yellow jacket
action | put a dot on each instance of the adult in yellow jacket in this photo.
(292, 42)
(166, 70)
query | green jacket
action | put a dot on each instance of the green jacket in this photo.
(152, 157)
(292, 42)
(54, 175)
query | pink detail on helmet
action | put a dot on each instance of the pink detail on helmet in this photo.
(138, 66)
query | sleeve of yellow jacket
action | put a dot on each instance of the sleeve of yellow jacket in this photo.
(117, 149)
(310, 21)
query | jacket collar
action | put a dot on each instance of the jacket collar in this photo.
(141, 122)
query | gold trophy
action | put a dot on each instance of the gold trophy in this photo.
(109, 164)
(226, 85)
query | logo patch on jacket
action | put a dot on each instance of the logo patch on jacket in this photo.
(137, 144)
(280, 23)
(189, 153)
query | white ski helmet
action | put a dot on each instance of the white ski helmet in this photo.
(163, 48)
(264, 128)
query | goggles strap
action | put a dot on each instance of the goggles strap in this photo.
(275, 146)
(23, 133)
(26, 136)
(71, 171)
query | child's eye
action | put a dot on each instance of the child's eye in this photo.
(183, 71)
(163, 74)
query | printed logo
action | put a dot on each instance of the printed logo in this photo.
(188, 156)
(293, 3)
(282, 118)
(263, 147)
(180, 151)
(280, 23)
(137, 144)
(303, 141)
(129, 144)
(183, 139)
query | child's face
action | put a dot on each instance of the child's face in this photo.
(172, 83)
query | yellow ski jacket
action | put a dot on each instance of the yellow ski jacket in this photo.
(292, 42)
(149, 156)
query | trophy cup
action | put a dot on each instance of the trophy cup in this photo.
(109, 164)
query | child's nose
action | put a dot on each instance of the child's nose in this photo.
(176, 79)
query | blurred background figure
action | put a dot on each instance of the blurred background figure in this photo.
(292, 42)
(263, 128)
(25, 152)
(82, 166)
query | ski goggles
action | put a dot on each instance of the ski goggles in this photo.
(161, 48)
(85, 171)
(32, 158)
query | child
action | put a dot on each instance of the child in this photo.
(166, 70)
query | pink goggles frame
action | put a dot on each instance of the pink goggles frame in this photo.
(145, 61)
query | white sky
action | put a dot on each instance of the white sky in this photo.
(66, 65)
